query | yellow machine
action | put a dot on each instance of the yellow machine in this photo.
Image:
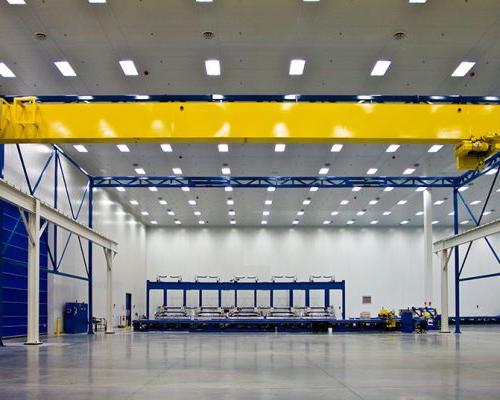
(389, 317)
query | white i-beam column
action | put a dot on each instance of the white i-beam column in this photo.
(33, 230)
(443, 255)
(109, 290)
(427, 197)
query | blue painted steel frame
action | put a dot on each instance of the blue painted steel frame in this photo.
(249, 286)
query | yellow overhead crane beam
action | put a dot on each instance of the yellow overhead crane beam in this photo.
(474, 128)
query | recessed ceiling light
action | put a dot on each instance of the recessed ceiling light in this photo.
(402, 202)
(123, 148)
(230, 202)
(324, 170)
(120, 188)
(361, 213)
(228, 188)
(80, 148)
(492, 171)
(392, 148)
(313, 189)
(386, 213)
(128, 67)
(279, 147)
(201, 222)
(197, 213)
(463, 188)
(6, 72)
(170, 212)
(356, 188)
(463, 68)
(435, 148)
(344, 202)
(226, 171)
(263, 222)
(300, 213)
(217, 97)
(140, 171)
(297, 67)
(231, 213)
(336, 148)
(162, 202)
(177, 222)
(408, 171)
(371, 171)
(438, 202)
(373, 202)
(306, 202)
(475, 202)
(134, 202)
(153, 189)
(435, 222)
(380, 67)
(326, 222)
(350, 222)
(374, 222)
(192, 202)
(154, 222)
(404, 222)
(85, 97)
(223, 147)
(166, 148)
(333, 213)
(265, 213)
(420, 189)
(185, 188)
(144, 213)
(177, 171)
(295, 221)
(212, 67)
(16, 2)
(268, 202)
(419, 213)
(232, 222)
(65, 68)
(464, 222)
(388, 189)
(271, 188)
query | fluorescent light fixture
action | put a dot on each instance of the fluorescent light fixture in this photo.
(437, 97)
(297, 66)
(324, 170)
(386, 213)
(487, 213)
(361, 213)
(295, 221)
(85, 97)
(144, 213)
(451, 213)
(265, 213)
(371, 171)
(380, 67)
(123, 148)
(300, 213)
(388, 189)
(356, 188)
(231, 213)
(223, 147)
(464, 222)
(217, 97)
(65, 68)
(438, 202)
(392, 148)
(435, 148)
(291, 97)
(373, 202)
(333, 213)
(142, 97)
(418, 1)
(140, 171)
(228, 189)
(197, 213)
(192, 202)
(402, 202)
(226, 171)
(230, 202)
(404, 222)
(162, 202)
(313, 189)
(374, 222)
(153, 189)
(408, 171)
(120, 188)
(177, 171)
(177, 222)
(232, 222)
(306, 202)
(154, 222)
(212, 67)
(350, 222)
(492, 171)
(336, 148)
(344, 202)
(420, 189)
(418, 213)
(170, 212)
(166, 148)
(16, 2)
(491, 98)
(204, 1)
(6, 72)
(134, 202)
(263, 222)
(365, 97)
(279, 147)
(80, 148)
(271, 188)
(475, 202)
(435, 222)
(201, 222)
(463, 68)
(185, 188)
(268, 202)
(128, 67)
(463, 188)
(326, 222)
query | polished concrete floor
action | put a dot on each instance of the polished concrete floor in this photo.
(261, 366)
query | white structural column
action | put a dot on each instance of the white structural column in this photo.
(109, 254)
(427, 197)
(443, 255)
(33, 230)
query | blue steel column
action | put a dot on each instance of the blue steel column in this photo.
(56, 178)
(164, 298)
(457, 262)
(147, 299)
(90, 262)
(343, 300)
(2, 155)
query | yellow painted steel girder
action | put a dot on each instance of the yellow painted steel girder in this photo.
(26, 121)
